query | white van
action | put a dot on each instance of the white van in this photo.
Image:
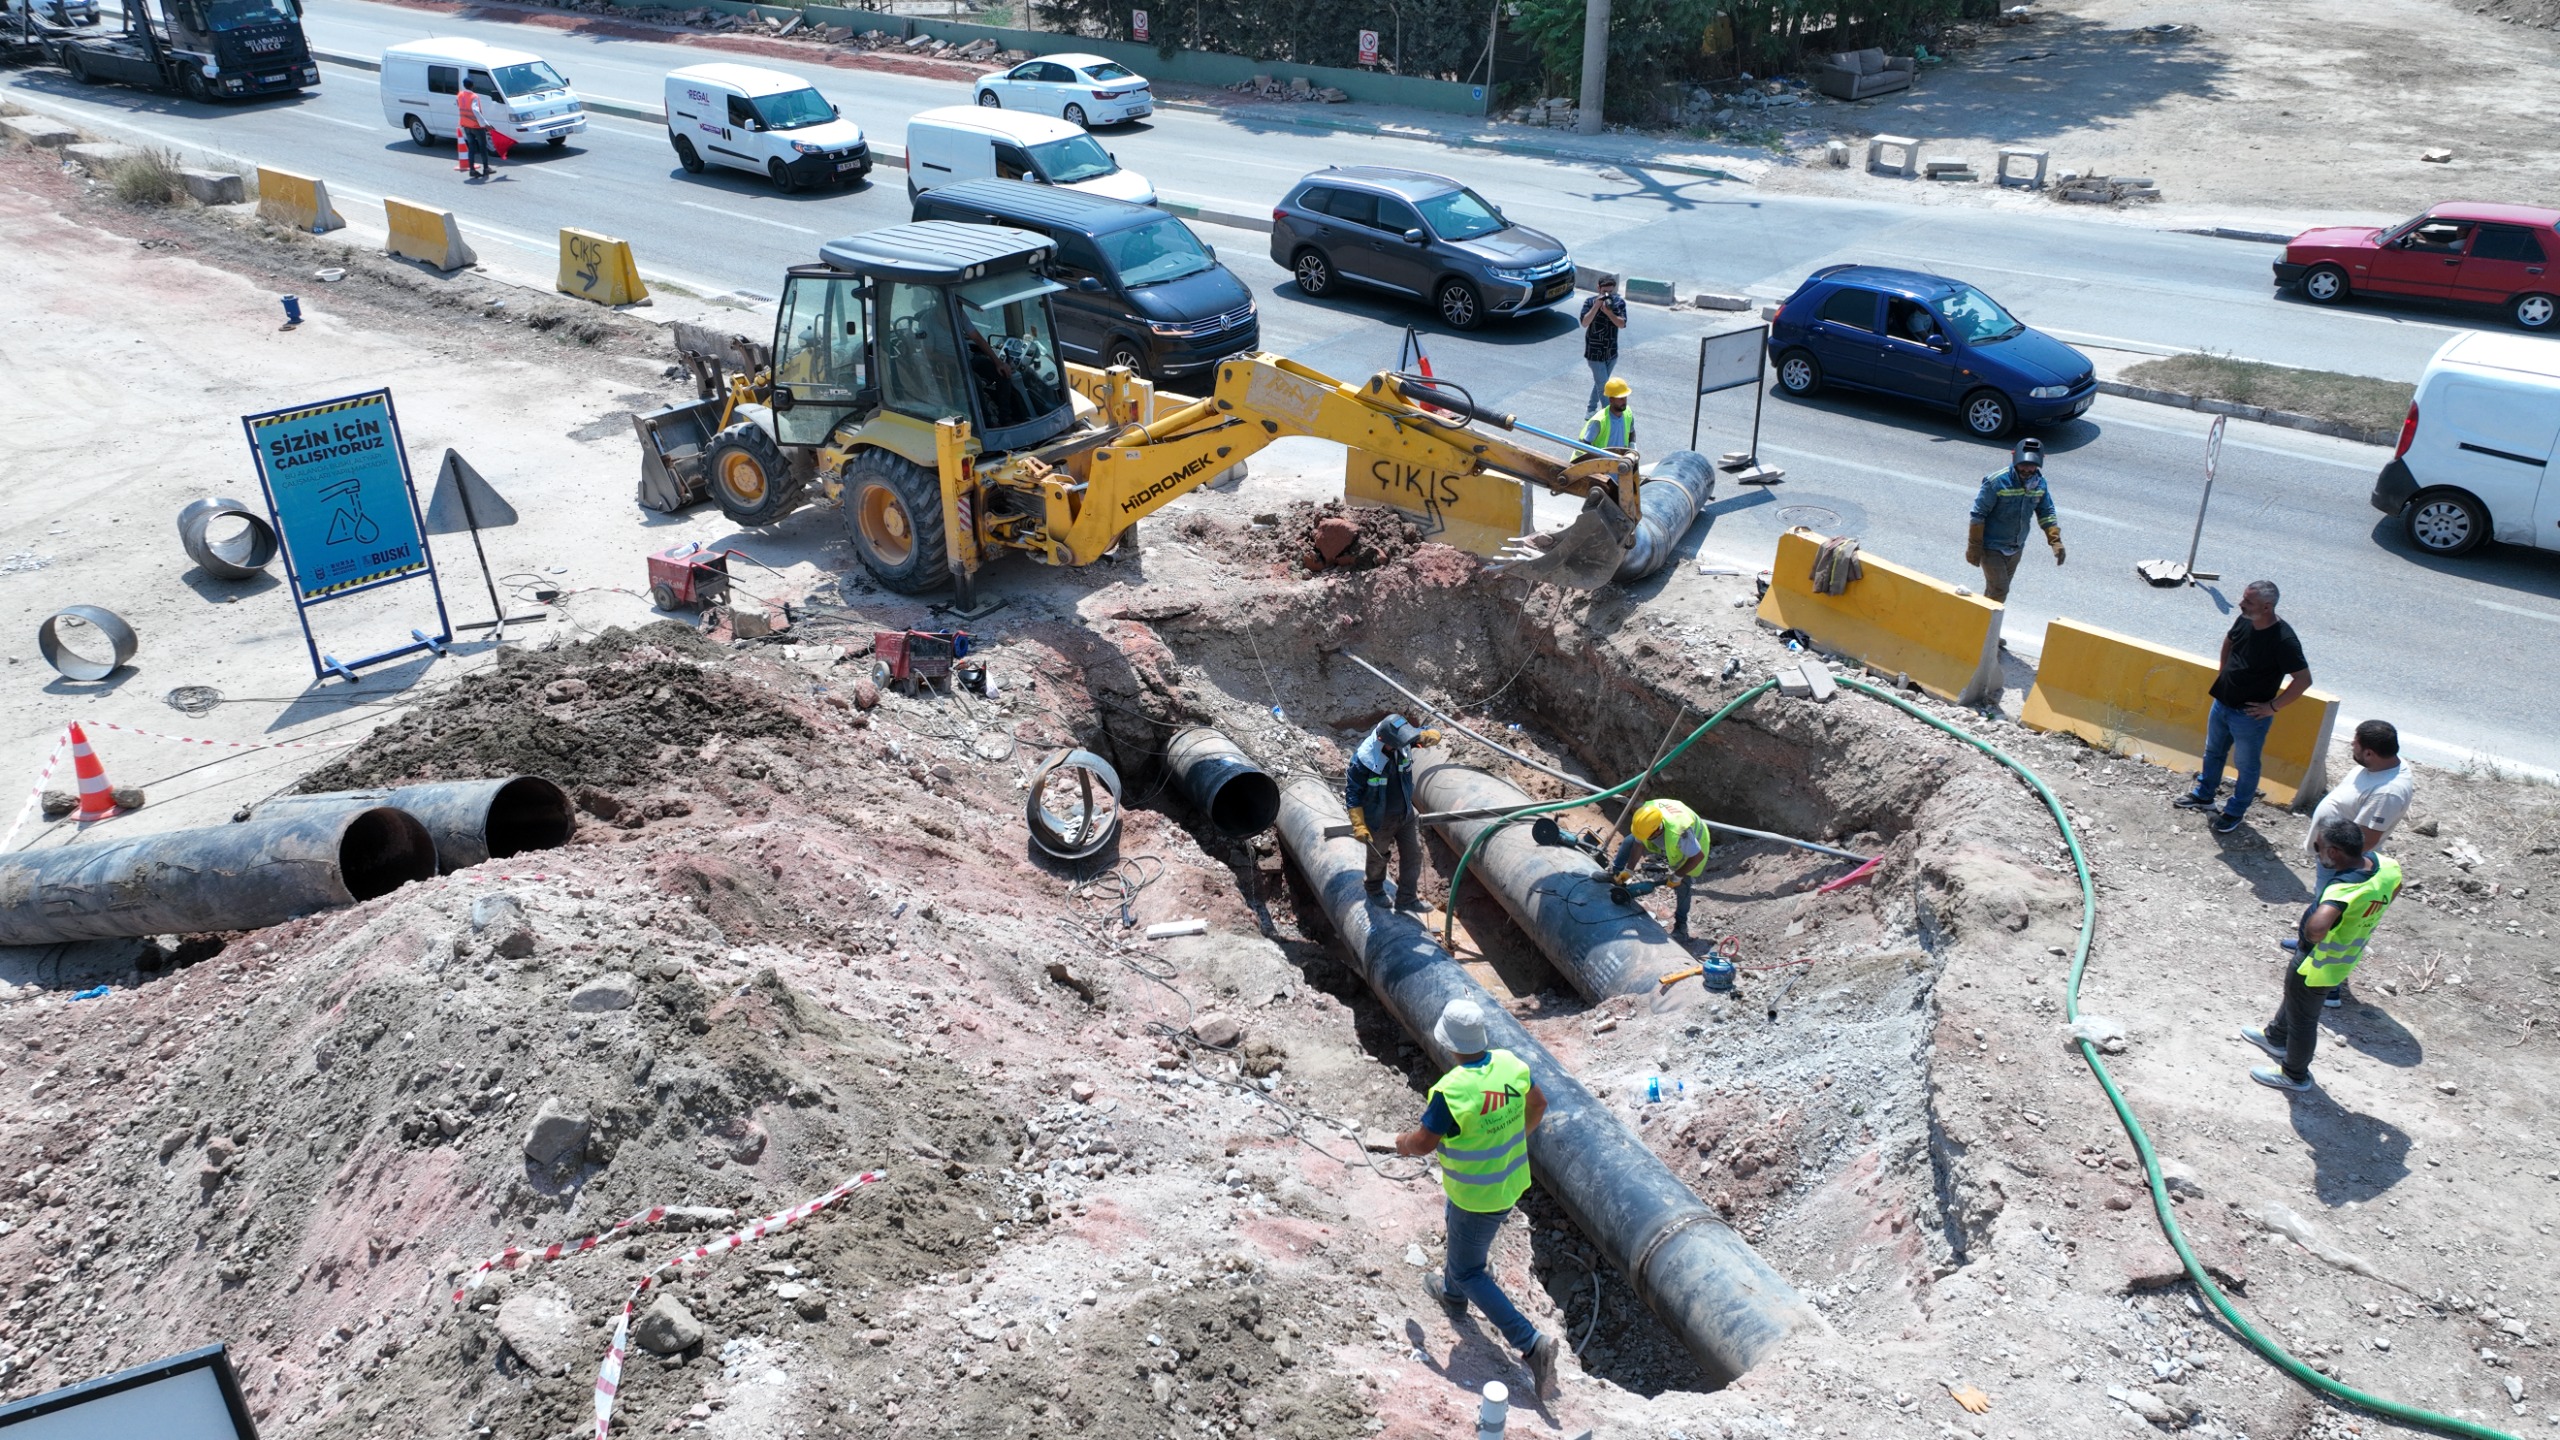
(2476, 452)
(965, 142)
(524, 98)
(773, 124)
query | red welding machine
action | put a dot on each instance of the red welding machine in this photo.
(688, 577)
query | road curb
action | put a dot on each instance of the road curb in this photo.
(2260, 413)
(1512, 147)
(2225, 232)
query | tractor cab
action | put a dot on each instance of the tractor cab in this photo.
(903, 327)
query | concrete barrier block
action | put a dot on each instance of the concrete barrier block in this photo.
(2149, 702)
(1905, 164)
(2036, 159)
(297, 202)
(425, 234)
(1709, 300)
(214, 187)
(1651, 292)
(599, 268)
(96, 156)
(1475, 513)
(1893, 618)
(42, 132)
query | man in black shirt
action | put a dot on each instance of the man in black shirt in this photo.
(1603, 316)
(2262, 672)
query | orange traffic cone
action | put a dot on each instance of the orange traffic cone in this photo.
(97, 801)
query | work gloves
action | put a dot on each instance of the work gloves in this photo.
(2053, 537)
(1359, 827)
(1973, 547)
(1427, 737)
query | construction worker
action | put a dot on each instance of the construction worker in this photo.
(1672, 833)
(1379, 795)
(2328, 949)
(475, 132)
(2000, 511)
(1479, 1118)
(1612, 426)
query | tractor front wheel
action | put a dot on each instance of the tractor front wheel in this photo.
(893, 506)
(749, 475)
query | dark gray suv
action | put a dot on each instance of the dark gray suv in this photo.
(1421, 235)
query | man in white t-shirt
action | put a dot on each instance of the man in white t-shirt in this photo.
(2374, 795)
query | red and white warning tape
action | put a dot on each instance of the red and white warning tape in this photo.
(223, 744)
(35, 792)
(609, 1376)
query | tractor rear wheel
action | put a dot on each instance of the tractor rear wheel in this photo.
(750, 478)
(893, 506)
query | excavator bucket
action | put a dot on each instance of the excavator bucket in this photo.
(672, 442)
(1584, 555)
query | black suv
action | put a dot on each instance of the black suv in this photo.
(1421, 235)
(1142, 290)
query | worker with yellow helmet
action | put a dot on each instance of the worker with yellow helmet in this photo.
(1672, 833)
(1612, 426)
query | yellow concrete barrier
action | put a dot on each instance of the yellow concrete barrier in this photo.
(1475, 513)
(599, 268)
(2149, 702)
(1893, 618)
(428, 235)
(298, 202)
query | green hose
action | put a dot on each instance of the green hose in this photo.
(2390, 1409)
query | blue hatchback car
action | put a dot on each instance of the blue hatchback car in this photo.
(1927, 338)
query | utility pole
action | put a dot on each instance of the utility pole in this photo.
(1595, 65)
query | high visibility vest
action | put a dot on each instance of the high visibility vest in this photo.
(1679, 825)
(1610, 429)
(1485, 1166)
(466, 106)
(2361, 904)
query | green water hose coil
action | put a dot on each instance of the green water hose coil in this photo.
(2275, 1354)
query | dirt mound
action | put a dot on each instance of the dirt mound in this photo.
(623, 712)
(1308, 537)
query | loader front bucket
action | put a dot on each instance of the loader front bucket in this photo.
(1584, 555)
(672, 442)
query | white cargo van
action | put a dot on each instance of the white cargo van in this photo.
(774, 124)
(522, 97)
(2475, 456)
(965, 142)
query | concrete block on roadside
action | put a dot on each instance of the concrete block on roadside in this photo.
(297, 202)
(214, 187)
(39, 131)
(1651, 292)
(426, 234)
(96, 156)
(1836, 152)
(1586, 278)
(1905, 162)
(1709, 300)
(1938, 165)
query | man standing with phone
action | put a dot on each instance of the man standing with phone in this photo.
(1603, 316)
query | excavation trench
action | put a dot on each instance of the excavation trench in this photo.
(1810, 1077)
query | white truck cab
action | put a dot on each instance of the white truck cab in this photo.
(966, 142)
(764, 121)
(522, 97)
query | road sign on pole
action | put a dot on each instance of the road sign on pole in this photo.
(463, 502)
(2167, 573)
(1368, 47)
(1138, 24)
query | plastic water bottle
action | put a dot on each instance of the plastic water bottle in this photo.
(1653, 1089)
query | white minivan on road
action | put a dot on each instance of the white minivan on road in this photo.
(763, 121)
(2475, 456)
(524, 98)
(963, 142)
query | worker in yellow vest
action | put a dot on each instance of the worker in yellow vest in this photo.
(1479, 1118)
(1672, 833)
(2330, 946)
(1612, 426)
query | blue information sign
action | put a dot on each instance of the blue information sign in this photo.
(337, 484)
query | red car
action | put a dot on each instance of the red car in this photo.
(2502, 255)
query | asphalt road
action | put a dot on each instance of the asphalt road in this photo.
(2291, 507)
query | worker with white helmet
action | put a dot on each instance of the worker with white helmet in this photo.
(1671, 833)
(1379, 794)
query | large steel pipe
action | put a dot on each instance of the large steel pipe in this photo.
(471, 820)
(1558, 896)
(1223, 782)
(1674, 489)
(227, 877)
(1726, 1305)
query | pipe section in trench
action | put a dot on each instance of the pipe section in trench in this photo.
(1558, 897)
(1723, 1301)
(471, 820)
(224, 877)
(1674, 489)
(1223, 782)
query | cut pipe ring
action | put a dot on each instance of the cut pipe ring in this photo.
(71, 664)
(241, 557)
(1087, 833)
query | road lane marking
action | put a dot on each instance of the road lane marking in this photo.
(350, 124)
(2197, 433)
(741, 215)
(2543, 615)
(2073, 514)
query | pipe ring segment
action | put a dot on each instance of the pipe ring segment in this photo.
(241, 557)
(1093, 827)
(72, 665)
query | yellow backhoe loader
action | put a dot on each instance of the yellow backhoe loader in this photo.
(914, 380)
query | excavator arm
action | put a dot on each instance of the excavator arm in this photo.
(1067, 503)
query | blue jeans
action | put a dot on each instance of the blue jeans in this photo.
(2240, 738)
(1471, 1235)
(1599, 380)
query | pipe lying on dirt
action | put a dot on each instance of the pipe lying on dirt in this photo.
(1223, 782)
(1557, 895)
(1674, 489)
(470, 820)
(1095, 821)
(240, 554)
(1698, 1277)
(1445, 718)
(225, 877)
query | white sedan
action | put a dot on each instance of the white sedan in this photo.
(1084, 90)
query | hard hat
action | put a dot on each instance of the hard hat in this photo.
(1398, 733)
(1646, 823)
(2030, 451)
(1616, 389)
